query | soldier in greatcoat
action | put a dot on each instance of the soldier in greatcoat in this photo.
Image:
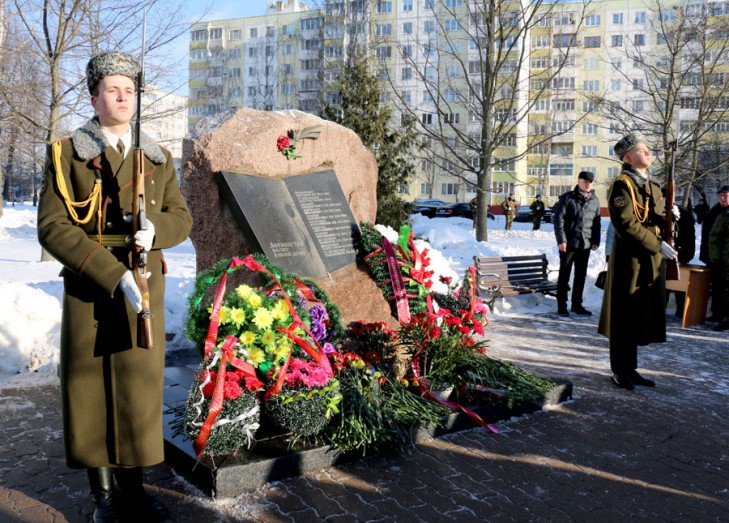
(634, 303)
(719, 263)
(509, 207)
(111, 389)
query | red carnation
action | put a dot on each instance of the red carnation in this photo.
(232, 390)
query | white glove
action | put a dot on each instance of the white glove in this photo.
(131, 291)
(676, 212)
(667, 251)
(145, 238)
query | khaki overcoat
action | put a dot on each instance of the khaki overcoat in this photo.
(634, 304)
(111, 390)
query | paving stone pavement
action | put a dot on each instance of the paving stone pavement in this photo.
(647, 455)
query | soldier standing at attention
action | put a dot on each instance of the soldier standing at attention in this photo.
(111, 389)
(509, 210)
(634, 303)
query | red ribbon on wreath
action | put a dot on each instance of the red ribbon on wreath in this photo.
(423, 384)
(398, 286)
(317, 354)
(227, 355)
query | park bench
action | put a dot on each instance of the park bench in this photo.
(511, 276)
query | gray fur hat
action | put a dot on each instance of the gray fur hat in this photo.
(108, 64)
(626, 143)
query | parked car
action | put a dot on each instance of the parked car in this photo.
(462, 209)
(524, 214)
(427, 207)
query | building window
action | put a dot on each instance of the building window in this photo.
(407, 28)
(429, 26)
(449, 189)
(560, 169)
(384, 52)
(407, 73)
(563, 83)
(616, 40)
(564, 40)
(216, 33)
(639, 39)
(383, 29)
(588, 107)
(592, 64)
(407, 6)
(612, 172)
(452, 118)
(426, 118)
(638, 83)
(637, 106)
(617, 18)
(640, 17)
(564, 105)
(591, 85)
(454, 3)
(592, 20)
(384, 7)
(253, 32)
(234, 34)
(201, 35)
(589, 150)
(592, 41)
(540, 41)
(589, 128)
(452, 25)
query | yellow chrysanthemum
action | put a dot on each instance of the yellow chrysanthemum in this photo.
(224, 315)
(247, 338)
(237, 316)
(268, 338)
(256, 356)
(255, 300)
(281, 311)
(244, 291)
(280, 352)
(262, 318)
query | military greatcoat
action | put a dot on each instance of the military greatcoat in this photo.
(111, 390)
(634, 304)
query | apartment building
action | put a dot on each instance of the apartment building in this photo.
(164, 119)
(585, 73)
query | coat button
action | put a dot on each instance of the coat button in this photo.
(109, 225)
(128, 239)
(152, 202)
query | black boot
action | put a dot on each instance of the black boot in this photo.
(137, 504)
(102, 489)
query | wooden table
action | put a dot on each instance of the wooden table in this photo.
(694, 281)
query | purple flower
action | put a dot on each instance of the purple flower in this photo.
(318, 314)
(328, 348)
(318, 331)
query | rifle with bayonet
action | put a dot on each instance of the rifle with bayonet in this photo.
(672, 271)
(139, 221)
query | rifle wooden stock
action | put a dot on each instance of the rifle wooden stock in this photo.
(672, 272)
(139, 255)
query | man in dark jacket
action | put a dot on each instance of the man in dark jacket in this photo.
(634, 303)
(111, 388)
(576, 219)
(706, 227)
(538, 211)
(719, 261)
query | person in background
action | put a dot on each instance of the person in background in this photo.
(634, 302)
(701, 209)
(685, 244)
(709, 219)
(111, 388)
(576, 220)
(509, 206)
(538, 211)
(719, 263)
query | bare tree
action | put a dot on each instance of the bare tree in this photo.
(680, 92)
(475, 69)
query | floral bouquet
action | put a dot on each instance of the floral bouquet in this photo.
(230, 399)
(276, 337)
(307, 401)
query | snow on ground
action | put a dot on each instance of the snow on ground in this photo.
(31, 295)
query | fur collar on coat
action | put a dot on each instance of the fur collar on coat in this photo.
(88, 142)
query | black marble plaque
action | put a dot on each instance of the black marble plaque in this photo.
(303, 223)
